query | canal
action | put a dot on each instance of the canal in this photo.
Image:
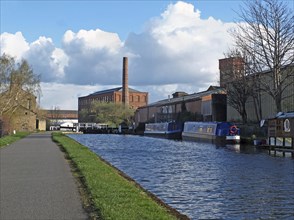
(202, 180)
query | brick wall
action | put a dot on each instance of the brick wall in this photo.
(136, 99)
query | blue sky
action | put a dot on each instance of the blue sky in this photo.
(53, 18)
(77, 46)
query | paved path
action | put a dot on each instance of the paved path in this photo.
(36, 182)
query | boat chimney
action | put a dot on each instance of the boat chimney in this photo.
(125, 86)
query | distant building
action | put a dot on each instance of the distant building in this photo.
(136, 99)
(56, 118)
(209, 105)
(130, 97)
(230, 66)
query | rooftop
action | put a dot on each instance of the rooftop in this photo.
(118, 89)
(209, 91)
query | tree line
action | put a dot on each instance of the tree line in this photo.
(109, 113)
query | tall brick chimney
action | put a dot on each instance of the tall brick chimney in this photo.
(125, 86)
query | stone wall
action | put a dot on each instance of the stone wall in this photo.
(23, 120)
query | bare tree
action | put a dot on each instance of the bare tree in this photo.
(54, 116)
(18, 84)
(266, 34)
(239, 89)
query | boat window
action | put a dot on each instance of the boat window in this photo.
(156, 127)
(172, 126)
(209, 129)
(279, 141)
(288, 142)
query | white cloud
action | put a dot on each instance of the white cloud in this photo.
(176, 51)
(13, 44)
(179, 47)
(59, 60)
(65, 96)
(177, 16)
(94, 39)
(46, 59)
(94, 57)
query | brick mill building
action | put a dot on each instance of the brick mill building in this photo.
(130, 97)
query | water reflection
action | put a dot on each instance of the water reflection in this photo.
(202, 180)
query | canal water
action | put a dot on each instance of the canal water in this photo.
(202, 180)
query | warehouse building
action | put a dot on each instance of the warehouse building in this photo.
(231, 67)
(209, 105)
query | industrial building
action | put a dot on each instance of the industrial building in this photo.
(229, 70)
(130, 97)
(209, 105)
(55, 118)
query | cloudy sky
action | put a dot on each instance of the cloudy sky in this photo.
(77, 46)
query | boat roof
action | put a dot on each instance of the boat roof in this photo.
(284, 115)
(207, 122)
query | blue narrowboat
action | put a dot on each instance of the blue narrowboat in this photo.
(169, 130)
(215, 132)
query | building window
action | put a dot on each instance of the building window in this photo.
(29, 104)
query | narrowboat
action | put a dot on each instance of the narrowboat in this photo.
(215, 132)
(281, 133)
(169, 130)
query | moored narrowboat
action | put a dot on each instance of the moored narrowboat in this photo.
(169, 130)
(215, 132)
(281, 133)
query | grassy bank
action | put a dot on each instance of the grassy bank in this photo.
(6, 140)
(113, 195)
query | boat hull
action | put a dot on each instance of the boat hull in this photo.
(166, 135)
(168, 130)
(220, 133)
(235, 139)
(204, 138)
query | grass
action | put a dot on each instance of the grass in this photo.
(113, 195)
(9, 139)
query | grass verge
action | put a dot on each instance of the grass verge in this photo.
(114, 195)
(9, 139)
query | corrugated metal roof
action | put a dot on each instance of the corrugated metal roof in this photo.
(211, 90)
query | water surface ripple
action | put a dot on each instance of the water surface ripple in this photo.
(201, 180)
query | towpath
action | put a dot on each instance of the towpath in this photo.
(36, 182)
